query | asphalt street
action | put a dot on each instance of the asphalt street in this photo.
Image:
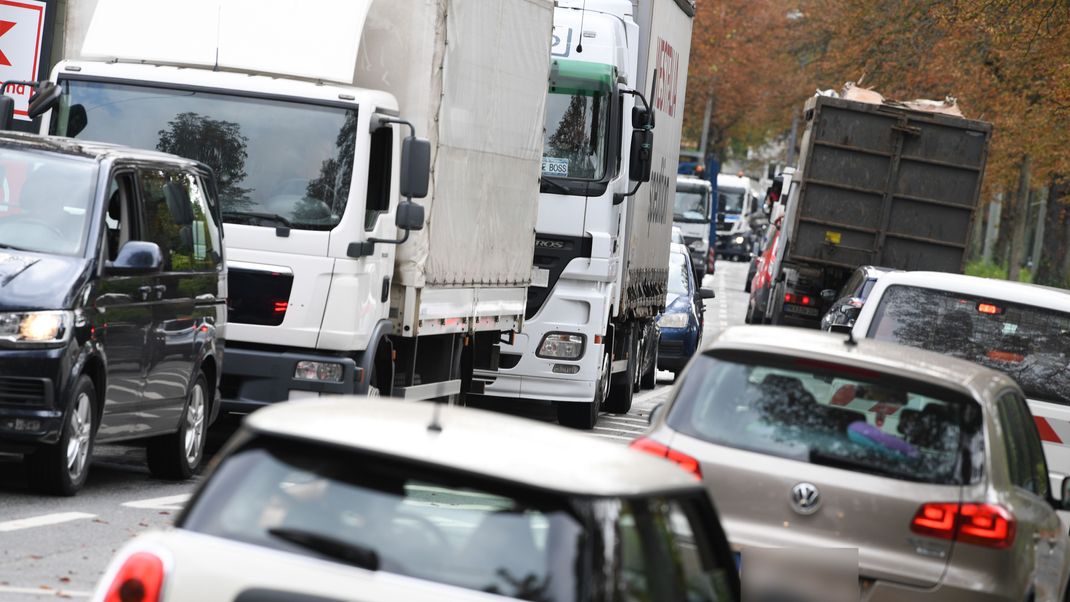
(59, 547)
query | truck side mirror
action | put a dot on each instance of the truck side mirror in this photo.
(415, 167)
(642, 156)
(410, 216)
(642, 118)
(46, 97)
(7, 111)
(76, 120)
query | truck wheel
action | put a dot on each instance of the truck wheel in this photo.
(776, 303)
(580, 415)
(621, 390)
(61, 469)
(649, 379)
(178, 456)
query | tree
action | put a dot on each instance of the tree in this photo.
(216, 143)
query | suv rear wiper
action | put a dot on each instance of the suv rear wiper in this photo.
(835, 461)
(274, 217)
(350, 553)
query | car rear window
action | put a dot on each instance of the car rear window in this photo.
(823, 413)
(1031, 344)
(394, 517)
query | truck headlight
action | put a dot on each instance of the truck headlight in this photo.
(319, 371)
(36, 327)
(562, 345)
(697, 245)
(739, 240)
(674, 320)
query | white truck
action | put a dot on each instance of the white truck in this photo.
(307, 115)
(692, 214)
(614, 113)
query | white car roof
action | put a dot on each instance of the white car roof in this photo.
(508, 448)
(991, 288)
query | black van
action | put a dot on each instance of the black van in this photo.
(113, 290)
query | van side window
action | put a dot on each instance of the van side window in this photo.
(169, 217)
(120, 222)
(379, 168)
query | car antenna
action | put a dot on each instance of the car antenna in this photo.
(851, 342)
(583, 13)
(436, 424)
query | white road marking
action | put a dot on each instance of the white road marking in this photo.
(171, 502)
(36, 591)
(650, 395)
(43, 520)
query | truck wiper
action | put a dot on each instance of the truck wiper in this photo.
(350, 553)
(274, 217)
(552, 184)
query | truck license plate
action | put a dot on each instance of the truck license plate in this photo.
(801, 310)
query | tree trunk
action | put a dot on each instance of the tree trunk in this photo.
(1006, 227)
(1053, 247)
(1021, 212)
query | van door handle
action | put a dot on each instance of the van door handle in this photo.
(145, 292)
(160, 290)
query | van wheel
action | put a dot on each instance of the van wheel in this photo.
(61, 469)
(585, 415)
(178, 456)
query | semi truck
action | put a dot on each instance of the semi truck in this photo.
(615, 106)
(692, 214)
(876, 184)
(320, 124)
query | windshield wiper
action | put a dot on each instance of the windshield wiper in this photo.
(11, 247)
(274, 217)
(350, 553)
(557, 185)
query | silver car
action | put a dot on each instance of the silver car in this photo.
(930, 466)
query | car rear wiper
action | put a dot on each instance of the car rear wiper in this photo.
(274, 217)
(835, 461)
(350, 553)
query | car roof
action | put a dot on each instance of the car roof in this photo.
(506, 448)
(1004, 290)
(910, 362)
(873, 271)
(88, 149)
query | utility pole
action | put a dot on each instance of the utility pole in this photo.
(704, 141)
(1038, 232)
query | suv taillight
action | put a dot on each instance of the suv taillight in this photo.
(652, 447)
(139, 579)
(988, 525)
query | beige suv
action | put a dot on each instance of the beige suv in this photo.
(930, 466)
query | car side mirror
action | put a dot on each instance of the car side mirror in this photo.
(77, 120)
(415, 167)
(707, 293)
(828, 295)
(43, 99)
(641, 160)
(7, 112)
(410, 216)
(655, 412)
(136, 257)
(1064, 502)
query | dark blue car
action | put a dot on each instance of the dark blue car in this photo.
(682, 320)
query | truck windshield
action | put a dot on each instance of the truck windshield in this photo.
(576, 133)
(1031, 344)
(730, 199)
(45, 199)
(271, 158)
(691, 206)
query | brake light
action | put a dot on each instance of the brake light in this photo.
(988, 525)
(654, 448)
(281, 307)
(798, 299)
(990, 309)
(139, 579)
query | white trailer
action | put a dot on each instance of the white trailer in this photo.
(605, 212)
(299, 110)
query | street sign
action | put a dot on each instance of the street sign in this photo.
(22, 28)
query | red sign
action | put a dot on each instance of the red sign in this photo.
(668, 82)
(22, 27)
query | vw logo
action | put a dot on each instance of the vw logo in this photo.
(805, 498)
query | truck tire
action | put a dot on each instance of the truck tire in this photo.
(61, 469)
(178, 456)
(776, 305)
(581, 415)
(621, 385)
(649, 378)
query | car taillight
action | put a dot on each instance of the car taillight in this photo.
(652, 447)
(139, 579)
(986, 525)
(798, 299)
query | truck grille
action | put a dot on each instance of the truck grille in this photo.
(258, 297)
(553, 254)
(23, 390)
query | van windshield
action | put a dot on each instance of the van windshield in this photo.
(817, 412)
(270, 157)
(1031, 344)
(45, 199)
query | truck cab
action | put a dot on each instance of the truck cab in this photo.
(736, 203)
(692, 214)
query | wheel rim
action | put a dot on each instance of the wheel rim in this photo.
(194, 425)
(80, 425)
(603, 384)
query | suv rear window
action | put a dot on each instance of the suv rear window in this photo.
(840, 416)
(393, 517)
(1030, 344)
